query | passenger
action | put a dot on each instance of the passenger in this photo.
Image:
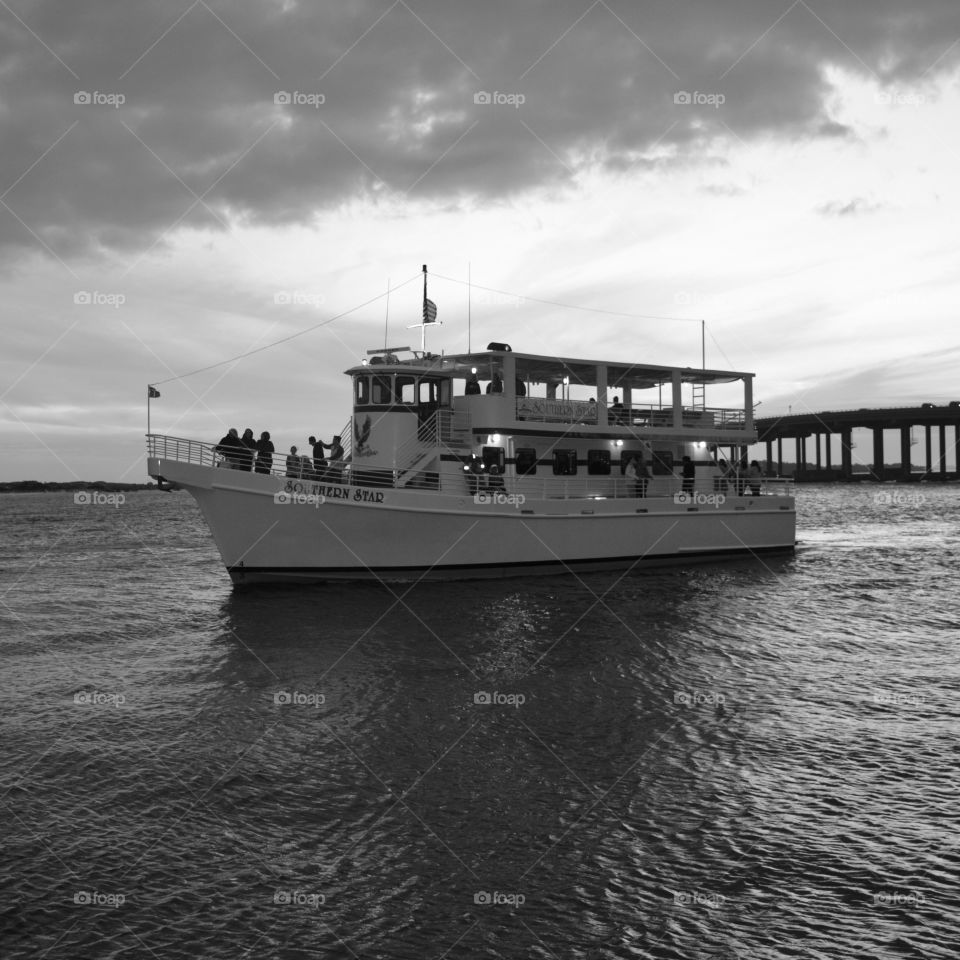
(521, 388)
(306, 468)
(319, 460)
(742, 472)
(720, 481)
(250, 444)
(496, 384)
(643, 476)
(495, 480)
(264, 462)
(473, 385)
(335, 463)
(294, 464)
(232, 450)
(689, 475)
(616, 411)
(754, 476)
(639, 473)
(474, 471)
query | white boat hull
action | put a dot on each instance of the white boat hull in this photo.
(271, 530)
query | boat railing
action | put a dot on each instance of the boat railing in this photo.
(707, 490)
(652, 415)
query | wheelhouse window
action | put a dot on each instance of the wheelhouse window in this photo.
(362, 391)
(564, 463)
(406, 390)
(382, 389)
(494, 457)
(598, 462)
(526, 461)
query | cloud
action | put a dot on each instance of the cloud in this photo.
(382, 101)
(854, 207)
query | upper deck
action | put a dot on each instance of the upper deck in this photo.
(500, 390)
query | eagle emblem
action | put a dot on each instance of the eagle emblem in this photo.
(360, 435)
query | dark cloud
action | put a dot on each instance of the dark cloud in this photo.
(199, 140)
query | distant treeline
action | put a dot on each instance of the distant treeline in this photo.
(35, 486)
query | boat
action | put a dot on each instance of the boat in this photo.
(497, 463)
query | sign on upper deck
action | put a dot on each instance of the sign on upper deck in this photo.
(543, 408)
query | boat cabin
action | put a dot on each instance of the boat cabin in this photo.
(429, 422)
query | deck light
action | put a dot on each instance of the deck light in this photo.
(619, 443)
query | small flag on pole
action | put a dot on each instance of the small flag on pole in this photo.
(429, 311)
(152, 392)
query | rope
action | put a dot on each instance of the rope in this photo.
(293, 336)
(566, 306)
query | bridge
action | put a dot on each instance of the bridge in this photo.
(933, 419)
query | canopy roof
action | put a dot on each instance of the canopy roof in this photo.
(537, 368)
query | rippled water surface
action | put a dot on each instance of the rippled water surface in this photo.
(754, 760)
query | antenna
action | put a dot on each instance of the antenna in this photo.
(469, 292)
(386, 319)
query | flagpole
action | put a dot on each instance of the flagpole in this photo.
(386, 319)
(423, 326)
(469, 299)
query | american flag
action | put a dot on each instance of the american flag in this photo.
(429, 311)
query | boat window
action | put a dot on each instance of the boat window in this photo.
(494, 457)
(427, 391)
(598, 462)
(362, 393)
(526, 461)
(565, 462)
(406, 390)
(383, 389)
(662, 462)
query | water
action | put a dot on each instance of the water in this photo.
(755, 760)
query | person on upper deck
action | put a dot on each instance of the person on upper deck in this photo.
(264, 461)
(521, 388)
(754, 476)
(689, 473)
(616, 411)
(473, 385)
(496, 384)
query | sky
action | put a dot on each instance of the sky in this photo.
(184, 182)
